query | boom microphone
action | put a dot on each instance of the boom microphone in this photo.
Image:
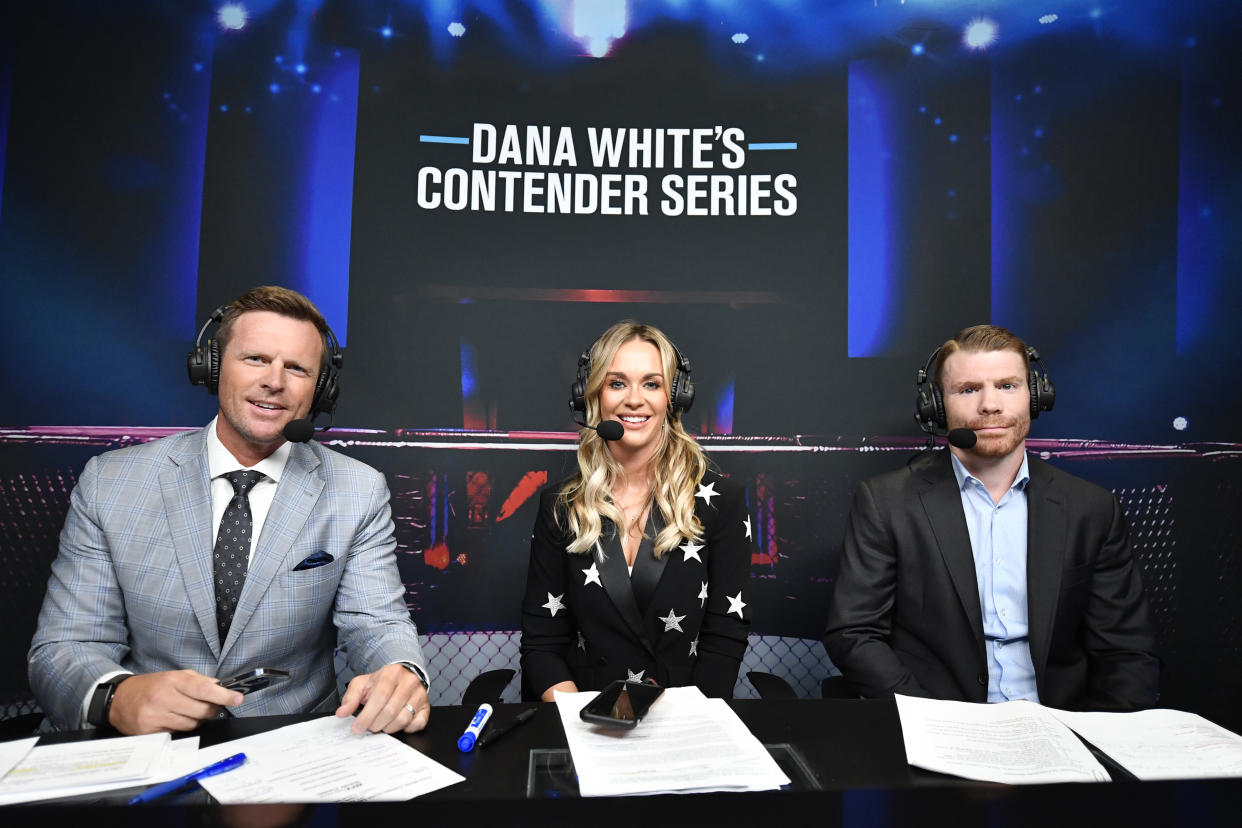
(962, 438)
(299, 431)
(610, 430)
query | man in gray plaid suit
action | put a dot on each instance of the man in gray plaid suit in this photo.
(137, 628)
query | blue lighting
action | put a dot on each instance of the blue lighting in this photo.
(300, 68)
(953, 138)
(316, 88)
(469, 371)
(979, 33)
(224, 107)
(273, 88)
(599, 23)
(456, 29)
(386, 32)
(773, 145)
(442, 139)
(198, 67)
(232, 16)
(937, 122)
(870, 292)
(917, 49)
(724, 408)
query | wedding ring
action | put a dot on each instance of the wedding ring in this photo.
(411, 709)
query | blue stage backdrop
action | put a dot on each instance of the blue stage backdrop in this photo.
(808, 197)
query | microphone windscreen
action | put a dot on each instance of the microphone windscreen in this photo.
(610, 430)
(298, 431)
(963, 438)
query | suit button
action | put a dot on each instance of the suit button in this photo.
(982, 679)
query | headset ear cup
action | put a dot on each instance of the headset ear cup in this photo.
(577, 391)
(942, 419)
(213, 366)
(683, 392)
(326, 393)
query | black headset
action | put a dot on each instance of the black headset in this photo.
(929, 402)
(680, 396)
(203, 366)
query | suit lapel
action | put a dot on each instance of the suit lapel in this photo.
(942, 503)
(648, 569)
(299, 490)
(186, 489)
(612, 572)
(1045, 546)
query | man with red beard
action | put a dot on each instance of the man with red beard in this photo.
(981, 574)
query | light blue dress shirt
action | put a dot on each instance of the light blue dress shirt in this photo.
(998, 541)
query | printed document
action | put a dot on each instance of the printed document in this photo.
(323, 761)
(688, 743)
(1013, 742)
(1160, 744)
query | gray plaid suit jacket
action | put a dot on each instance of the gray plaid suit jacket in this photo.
(131, 588)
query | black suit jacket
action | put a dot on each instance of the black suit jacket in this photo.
(604, 632)
(906, 618)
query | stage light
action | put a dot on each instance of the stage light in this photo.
(599, 23)
(1047, 18)
(232, 16)
(740, 37)
(1181, 423)
(300, 68)
(979, 33)
(316, 88)
(386, 32)
(274, 88)
(456, 29)
(917, 49)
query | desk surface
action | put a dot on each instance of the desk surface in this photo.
(853, 750)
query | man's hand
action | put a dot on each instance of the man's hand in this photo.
(168, 701)
(392, 699)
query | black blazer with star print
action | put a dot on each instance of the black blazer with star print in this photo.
(681, 619)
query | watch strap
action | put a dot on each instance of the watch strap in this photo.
(101, 701)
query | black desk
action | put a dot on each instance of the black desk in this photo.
(853, 748)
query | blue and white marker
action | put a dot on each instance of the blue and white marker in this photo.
(466, 743)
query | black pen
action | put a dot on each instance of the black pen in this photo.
(496, 732)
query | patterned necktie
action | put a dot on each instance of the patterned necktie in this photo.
(232, 551)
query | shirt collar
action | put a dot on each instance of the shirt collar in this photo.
(221, 461)
(963, 476)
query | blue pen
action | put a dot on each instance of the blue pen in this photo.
(156, 791)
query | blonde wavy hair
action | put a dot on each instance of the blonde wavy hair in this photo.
(678, 463)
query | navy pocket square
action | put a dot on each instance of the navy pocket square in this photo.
(318, 559)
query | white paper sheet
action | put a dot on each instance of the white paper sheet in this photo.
(1013, 742)
(323, 761)
(688, 743)
(77, 767)
(13, 752)
(1161, 744)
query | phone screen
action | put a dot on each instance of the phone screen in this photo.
(621, 704)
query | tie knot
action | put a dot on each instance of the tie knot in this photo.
(243, 480)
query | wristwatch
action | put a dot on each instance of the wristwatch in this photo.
(101, 701)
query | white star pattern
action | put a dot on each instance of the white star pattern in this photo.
(592, 575)
(581, 642)
(746, 523)
(692, 551)
(554, 603)
(707, 492)
(703, 595)
(637, 678)
(694, 646)
(672, 622)
(736, 604)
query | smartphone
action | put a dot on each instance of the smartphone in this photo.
(621, 704)
(256, 679)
